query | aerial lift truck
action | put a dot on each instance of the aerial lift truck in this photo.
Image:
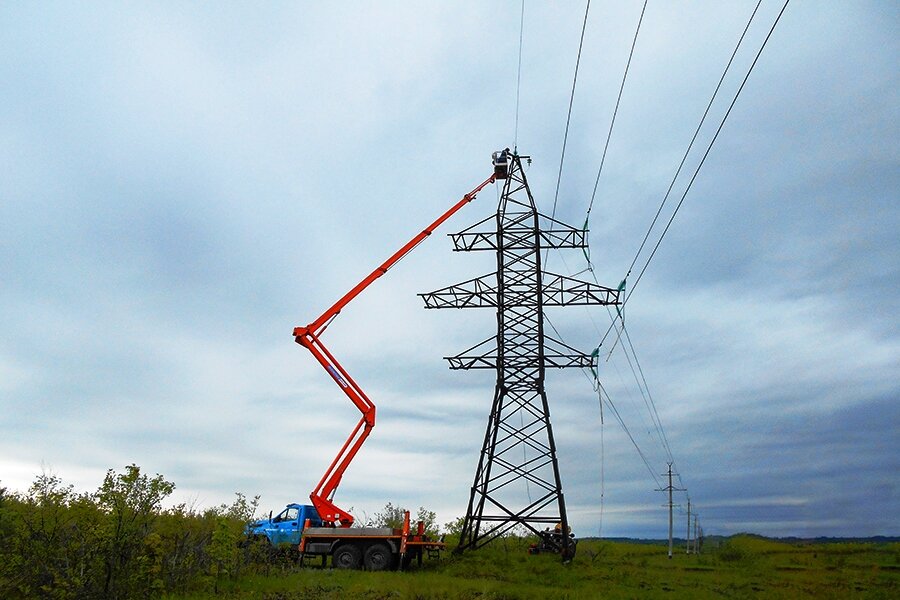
(327, 529)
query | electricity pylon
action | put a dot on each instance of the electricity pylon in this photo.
(517, 481)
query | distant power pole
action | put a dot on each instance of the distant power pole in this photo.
(696, 536)
(687, 544)
(670, 488)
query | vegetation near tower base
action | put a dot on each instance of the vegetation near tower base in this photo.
(120, 542)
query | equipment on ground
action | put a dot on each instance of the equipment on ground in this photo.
(286, 527)
(553, 541)
(373, 548)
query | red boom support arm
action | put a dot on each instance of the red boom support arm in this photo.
(308, 337)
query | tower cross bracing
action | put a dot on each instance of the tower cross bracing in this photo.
(517, 483)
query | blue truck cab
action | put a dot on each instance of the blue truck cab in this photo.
(286, 526)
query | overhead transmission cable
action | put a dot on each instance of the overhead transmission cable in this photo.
(642, 383)
(636, 373)
(646, 396)
(562, 155)
(693, 139)
(519, 75)
(602, 472)
(604, 397)
(638, 377)
(706, 154)
(651, 404)
(690, 183)
(612, 122)
(654, 415)
(645, 425)
(615, 411)
(701, 163)
(655, 419)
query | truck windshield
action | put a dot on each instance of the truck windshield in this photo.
(288, 514)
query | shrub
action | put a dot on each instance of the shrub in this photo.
(117, 542)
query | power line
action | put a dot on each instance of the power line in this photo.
(648, 399)
(519, 75)
(562, 156)
(653, 417)
(616, 110)
(693, 139)
(645, 424)
(655, 413)
(553, 214)
(654, 420)
(705, 154)
(702, 161)
(601, 392)
(651, 405)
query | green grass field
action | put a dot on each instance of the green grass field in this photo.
(742, 567)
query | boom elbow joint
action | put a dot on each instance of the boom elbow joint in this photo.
(301, 335)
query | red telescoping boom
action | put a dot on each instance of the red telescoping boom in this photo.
(308, 337)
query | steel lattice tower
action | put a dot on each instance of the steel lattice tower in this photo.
(517, 481)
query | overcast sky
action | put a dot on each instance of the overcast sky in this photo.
(182, 184)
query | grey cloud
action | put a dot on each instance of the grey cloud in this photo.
(180, 189)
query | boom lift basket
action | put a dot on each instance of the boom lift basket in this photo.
(501, 164)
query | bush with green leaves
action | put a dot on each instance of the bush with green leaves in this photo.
(118, 542)
(392, 516)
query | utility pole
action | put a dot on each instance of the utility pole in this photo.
(687, 544)
(670, 488)
(696, 536)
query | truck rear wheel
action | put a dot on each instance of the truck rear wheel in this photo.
(346, 556)
(378, 557)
